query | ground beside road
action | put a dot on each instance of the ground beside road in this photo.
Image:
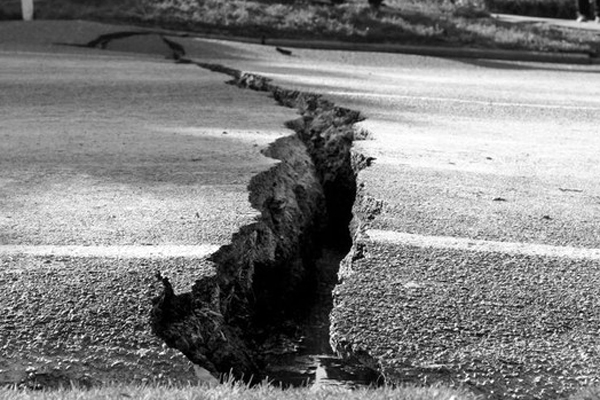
(432, 23)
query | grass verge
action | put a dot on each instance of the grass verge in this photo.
(460, 23)
(235, 392)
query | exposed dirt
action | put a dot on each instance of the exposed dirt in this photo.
(265, 265)
(268, 274)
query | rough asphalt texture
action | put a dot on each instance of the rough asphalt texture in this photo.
(503, 325)
(126, 151)
(103, 154)
(504, 152)
(85, 320)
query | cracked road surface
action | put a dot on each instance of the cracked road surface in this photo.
(479, 265)
(112, 166)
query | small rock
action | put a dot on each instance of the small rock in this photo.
(205, 377)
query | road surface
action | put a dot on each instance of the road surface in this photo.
(478, 265)
(476, 261)
(114, 166)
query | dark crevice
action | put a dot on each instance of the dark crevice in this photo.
(267, 306)
(176, 50)
(265, 310)
(328, 133)
(103, 40)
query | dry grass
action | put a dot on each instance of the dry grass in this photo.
(402, 21)
(235, 392)
(432, 22)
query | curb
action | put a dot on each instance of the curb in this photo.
(432, 51)
(444, 52)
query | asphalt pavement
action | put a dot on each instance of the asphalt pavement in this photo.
(476, 261)
(114, 166)
(479, 265)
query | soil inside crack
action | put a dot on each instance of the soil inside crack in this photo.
(247, 310)
(300, 354)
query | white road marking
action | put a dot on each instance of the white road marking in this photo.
(464, 101)
(150, 252)
(454, 243)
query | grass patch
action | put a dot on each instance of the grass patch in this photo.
(418, 22)
(235, 392)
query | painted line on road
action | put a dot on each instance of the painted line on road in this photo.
(463, 101)
(150, 252)
(487, 246)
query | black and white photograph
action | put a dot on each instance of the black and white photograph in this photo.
(300, 199)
